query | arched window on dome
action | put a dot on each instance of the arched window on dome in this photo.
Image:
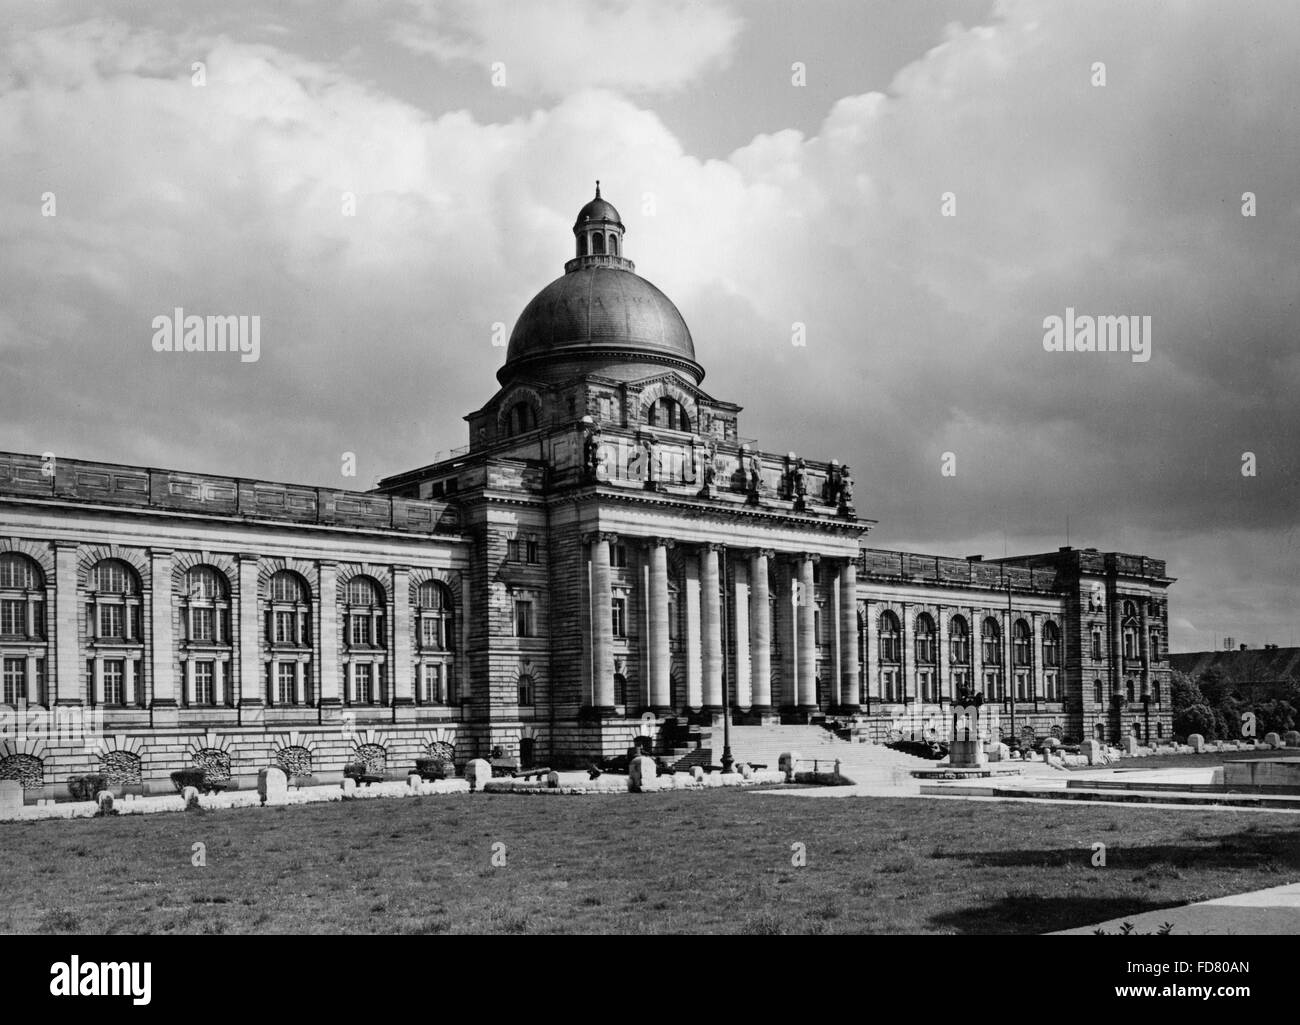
(521, 419)
(667, 412)
(613, 245)
(598, 244)
(582, 245)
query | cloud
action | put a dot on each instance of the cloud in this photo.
(556, 46)
(924, 331)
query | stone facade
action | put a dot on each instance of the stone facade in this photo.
(608, 554)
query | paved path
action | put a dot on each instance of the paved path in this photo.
(1271, 912)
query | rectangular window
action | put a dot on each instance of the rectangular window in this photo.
(202, 625)
(15, 680)
(1021, 687)
(286, 686)
(512, 550)
(620, 617)
(111, 621)
(204, 683)
(531, 552)
(363, 679)
(523, 618)
(361, 628)
(618, 557)
(40, 681)
(1096, 644)
(114, 671)
(526, 691)
(13, 617)
(284, 623)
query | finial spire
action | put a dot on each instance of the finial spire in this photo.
(597, 188)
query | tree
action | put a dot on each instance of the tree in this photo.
(1196, 719)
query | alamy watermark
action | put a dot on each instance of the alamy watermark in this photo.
(1085, 333)
(230, 333)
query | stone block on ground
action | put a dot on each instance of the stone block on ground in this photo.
(640, 772)
(1130, 745)
(1091, 750)
(1196, 742)
(1291, 738)
(478, 772)
(11, 798)
(272, 785)
(1272, 740)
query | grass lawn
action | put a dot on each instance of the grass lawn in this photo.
(719, 861)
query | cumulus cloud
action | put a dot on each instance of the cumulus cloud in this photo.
(924, 331)
(554, 46)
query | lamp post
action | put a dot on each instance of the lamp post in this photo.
(1146, 713)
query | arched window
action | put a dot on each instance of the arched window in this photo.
(526, 695)
(1128, 691)
(1020, 642)
(1153, 647)
(1130, 610)
(959, 641)
(1098, 692)
(1130, 640)
(613, 245)
(366, 637)
(205, 620)
(114, 607)
(668, 412)
(890, 645)
(115, 627)
(437, 631)
(598, 244)
(521, 418)
(22, 630)
(582, 245)
(527, 752)
(620, 689)
(288, 635)
(1051, 645)
(925, 646)
(435, 640)
(991, 635)
(1155, 692)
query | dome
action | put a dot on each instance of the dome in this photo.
(598, 210)
(604, 309)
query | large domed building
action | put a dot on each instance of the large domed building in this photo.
(608, 561)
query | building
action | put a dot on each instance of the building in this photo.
(609, 558)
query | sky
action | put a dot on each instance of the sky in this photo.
(920, 185)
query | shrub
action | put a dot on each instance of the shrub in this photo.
(183, 778)
(431, 768)
(84, 788)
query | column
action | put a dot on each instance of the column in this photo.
(744, 692)
(976, 620)
(250, 662)
(349, 683)
(62, 684)
(943, 682)
(871, 659)
(403, 666)
(1144, 647)
(299, 694)
(98, 681)
(602, 625)
(327, 636)
(33, 697)
(1036, 657)
(805, 613)
(786, 630)
(220, 669)
(850, 700)
(711, 628)
(660, 656)
(760, 637)
(907, 627)
(187, 695)
(128, 682)
(162, 653)
(1008, 658)
(694, 681)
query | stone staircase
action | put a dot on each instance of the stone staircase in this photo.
(861, 763)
